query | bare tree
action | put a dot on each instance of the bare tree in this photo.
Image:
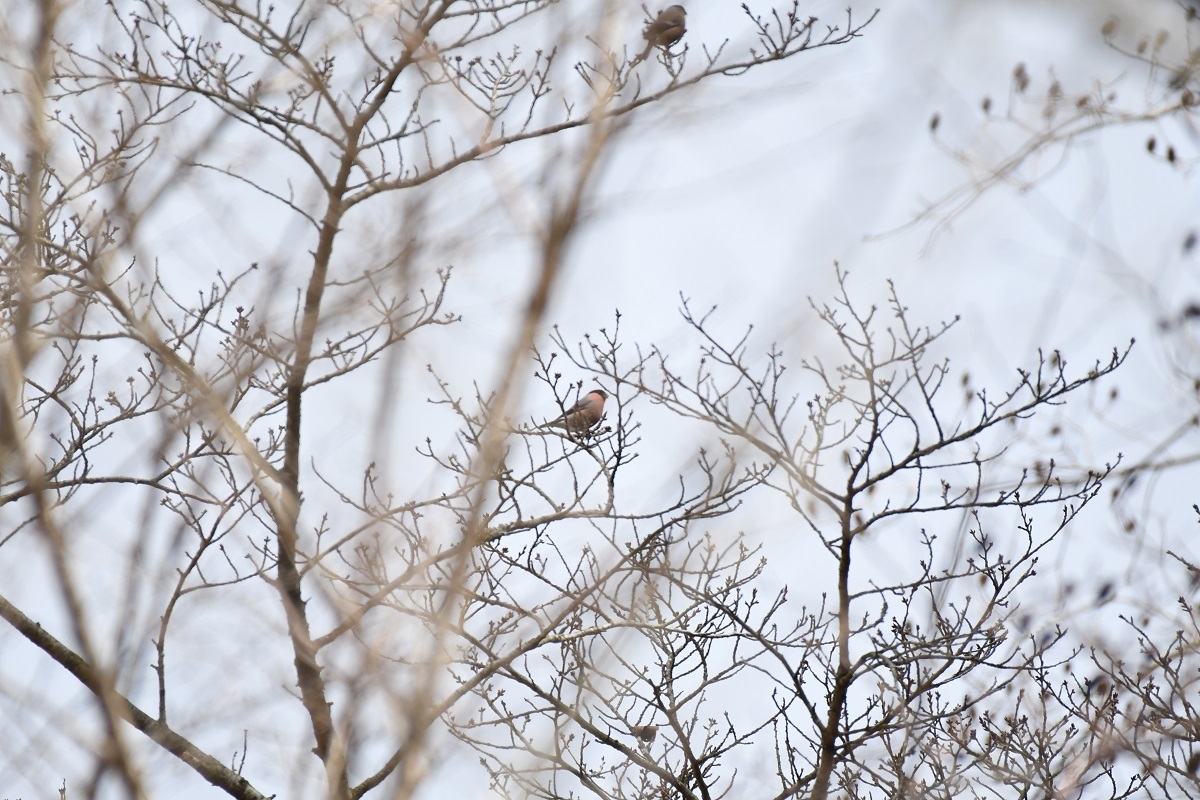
(153, 436)
(1128, 694)
(897, 681)
(276, 617)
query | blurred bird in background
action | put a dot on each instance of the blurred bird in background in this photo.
(665, 30)
(582, 416)
(645, 732)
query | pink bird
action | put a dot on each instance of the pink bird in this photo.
(582, 416)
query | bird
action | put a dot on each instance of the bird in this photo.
(645, 732)
(665, 30)
(582, 416)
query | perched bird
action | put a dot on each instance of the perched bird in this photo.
(582, 416)
(665, 30)
(645, 732)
